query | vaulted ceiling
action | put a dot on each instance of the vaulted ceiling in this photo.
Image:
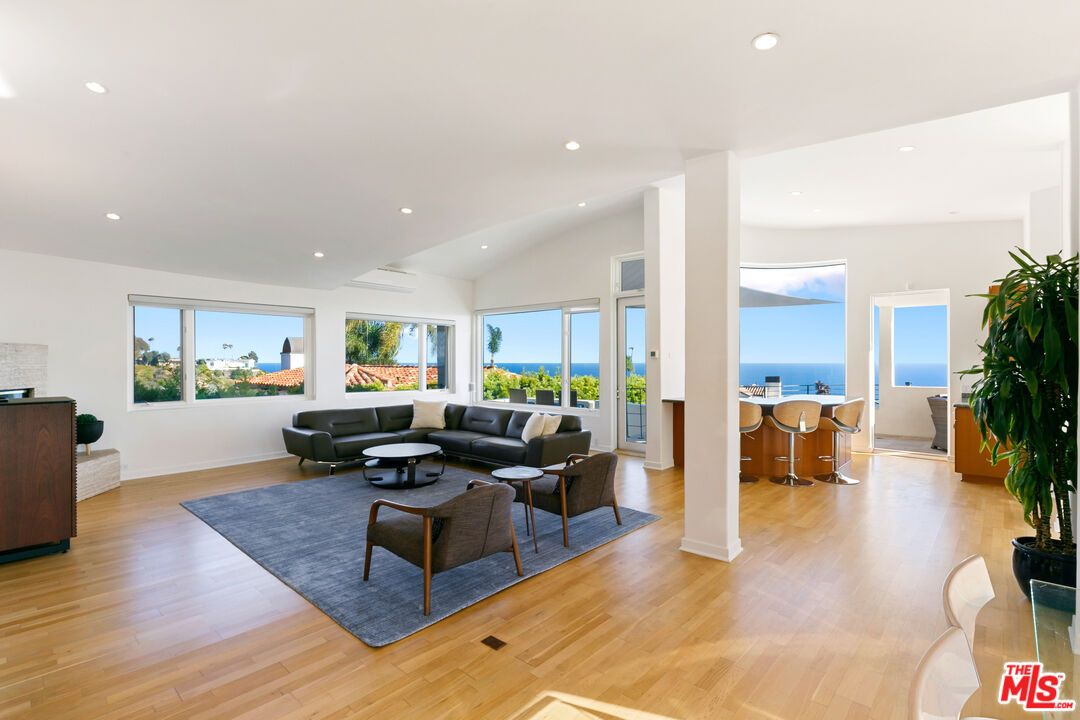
(236, 138)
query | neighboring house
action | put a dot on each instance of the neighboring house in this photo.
(390, 376)
(226, 364)
(292, 353)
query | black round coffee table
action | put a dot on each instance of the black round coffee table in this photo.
(402, 458)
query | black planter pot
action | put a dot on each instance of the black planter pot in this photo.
(86, 433)
(1031, 564)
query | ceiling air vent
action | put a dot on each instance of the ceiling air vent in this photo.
(387, 279)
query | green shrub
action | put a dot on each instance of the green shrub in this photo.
(85, 419)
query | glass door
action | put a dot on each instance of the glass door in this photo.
(630, 371)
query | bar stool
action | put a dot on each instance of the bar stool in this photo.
(845, 419)
(794, 417)
(749, 421)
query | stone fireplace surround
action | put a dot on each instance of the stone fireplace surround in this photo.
(24, 366)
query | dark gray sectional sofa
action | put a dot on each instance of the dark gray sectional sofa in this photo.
(491, 435)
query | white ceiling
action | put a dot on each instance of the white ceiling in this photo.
(238, 137)
(977, 166)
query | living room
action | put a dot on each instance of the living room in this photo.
(344, 266)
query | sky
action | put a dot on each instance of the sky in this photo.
(798, 333)
(264, 334)
(920, 335)
(536, 337)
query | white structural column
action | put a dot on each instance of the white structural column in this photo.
(711, 477)
(1072, 238)
(665, 302)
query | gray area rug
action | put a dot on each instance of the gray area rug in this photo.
(311, 535)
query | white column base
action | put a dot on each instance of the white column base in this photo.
(709, 550)
(663, 465)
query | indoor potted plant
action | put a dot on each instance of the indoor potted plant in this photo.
(1024, 403)
(88, 430)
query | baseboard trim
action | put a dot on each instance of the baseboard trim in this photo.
(709, 550)
(603, 448)
(138, 474)
(663, 465)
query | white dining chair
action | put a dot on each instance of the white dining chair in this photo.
(966, 591)
(944, 679)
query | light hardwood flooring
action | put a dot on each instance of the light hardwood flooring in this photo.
(824, 615)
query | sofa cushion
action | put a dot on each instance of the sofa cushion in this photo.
(394, 417)
(453, 416)
(355, 421)
(352, 446)
(489, 421)
(517, 423)
(339, 422)
(570, 423)
(502, 449)
(455, 441)
(414, 435)
(429, 414)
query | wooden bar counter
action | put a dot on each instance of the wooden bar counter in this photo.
(766, 443)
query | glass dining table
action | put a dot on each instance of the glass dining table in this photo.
(1057, 633)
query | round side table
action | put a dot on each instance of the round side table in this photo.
(525, 476)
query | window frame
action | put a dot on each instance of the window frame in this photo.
(568, 309)
(421, 342)
(188, 307)
(616, 274)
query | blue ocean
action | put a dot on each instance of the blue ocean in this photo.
(268, 367)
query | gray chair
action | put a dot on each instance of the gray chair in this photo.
(518, 395)
(465, 528)
(583, 483)
(545, 397)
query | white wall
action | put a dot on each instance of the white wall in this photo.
(902, 410)
(1043, 230)
(574, 265)
(80, 310)
(962, 257)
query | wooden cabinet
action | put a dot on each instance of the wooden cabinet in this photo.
(972, 463)
(37, 476)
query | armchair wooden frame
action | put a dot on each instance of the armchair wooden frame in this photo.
(560, 473)
(428, 518)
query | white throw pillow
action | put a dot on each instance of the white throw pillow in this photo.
(428, 414)
(551, 424)
(534, 427)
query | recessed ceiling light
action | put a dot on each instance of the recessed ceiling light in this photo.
(906, 148)
(765, 41)
(572, 145)
(581, 204)
(483, 247)
(112, 216)
(796, 193)
(96, 87)
(954, 212)
(406, 211)
(817, 209)
(319, 254)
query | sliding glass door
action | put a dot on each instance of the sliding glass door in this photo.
(630, 371)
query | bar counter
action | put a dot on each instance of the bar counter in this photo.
(767, 443)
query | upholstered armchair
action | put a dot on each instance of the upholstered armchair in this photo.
(583, 483)
(465, 528)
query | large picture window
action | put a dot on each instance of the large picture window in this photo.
(544, 356)
(791, 329)
(389, 355)
(191, 351)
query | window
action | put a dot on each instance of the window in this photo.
(631, 274)
(237, 355)
(585, 359)
(188, 351)
(388, 355)
(157, 374)
(920, 351)
(791, 329)
(546, 356)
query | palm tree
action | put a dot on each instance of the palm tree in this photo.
(370, 342)
(494, 341)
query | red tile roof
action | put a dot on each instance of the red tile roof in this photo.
(389, 375)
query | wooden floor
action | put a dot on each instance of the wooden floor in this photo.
(824, 615)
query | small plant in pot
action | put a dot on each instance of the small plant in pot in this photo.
(1024, 403)
(88, 430)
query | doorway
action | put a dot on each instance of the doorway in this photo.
(909, 361)
(630, 372)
